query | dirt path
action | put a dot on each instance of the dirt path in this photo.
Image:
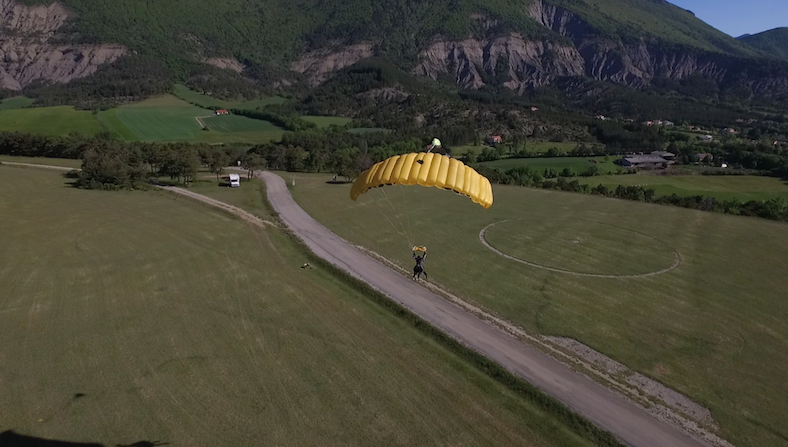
(33, 165)
(249, 217)
(608, 410)
(199, 120)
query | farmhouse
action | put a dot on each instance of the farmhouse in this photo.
(643, 161)
(669, 156)
(222, 112)
(495, 139)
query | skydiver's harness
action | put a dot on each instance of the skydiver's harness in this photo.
(419, 260)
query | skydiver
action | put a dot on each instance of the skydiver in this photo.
(418, 269)
(435, 143)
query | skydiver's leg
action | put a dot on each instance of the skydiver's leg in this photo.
(425, 273)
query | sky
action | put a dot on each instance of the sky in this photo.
(737, 17)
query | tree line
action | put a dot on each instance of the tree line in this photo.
(774, 209)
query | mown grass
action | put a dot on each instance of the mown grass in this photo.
(538, 147)
(17, 102)
(194, 97)
(60, 120)
(722, 187)
(146, 315)
(168, 118)
(577, 164)
(711, 328)
(66, 162)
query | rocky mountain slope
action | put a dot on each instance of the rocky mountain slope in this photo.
(514, 44)
(27, 55)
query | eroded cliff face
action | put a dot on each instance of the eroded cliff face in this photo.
(528, 63)
(26, 54)
(510, 60)
(318, 65)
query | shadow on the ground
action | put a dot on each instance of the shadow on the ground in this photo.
(9, 438)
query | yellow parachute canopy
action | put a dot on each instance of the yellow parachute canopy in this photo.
(419, 248)
(426, 169)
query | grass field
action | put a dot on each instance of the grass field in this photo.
(69, 163)
(714, 328)
(576, 164)
(722, 187)
(17, 102)
(539, 147)
(60, 120)
(194, 97)
(145, 316)
(168, 118)
(327, 121)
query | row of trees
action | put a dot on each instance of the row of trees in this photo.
(774, 209)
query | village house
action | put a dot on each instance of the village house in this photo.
(495, 139)
(705, 137)
(703, 157)
(222, 112)
(647, 161)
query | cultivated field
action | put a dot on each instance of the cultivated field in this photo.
(168, 118)
(145, 316)
(577, 164)
(532, 146)
(723, 187)
(17, 102)
(714, 327)
(60, 120)
(193, 97)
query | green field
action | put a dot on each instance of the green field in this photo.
(194, 97)
(69, 163)
(146, 316)
(539, 147)
(576, 164)
(722, 187)
(714, 328)
(168, 118)
(327, 121)
(60, 120)
(17, 102)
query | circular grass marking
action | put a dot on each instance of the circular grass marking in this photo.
(676, 262)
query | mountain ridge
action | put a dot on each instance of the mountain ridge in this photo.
(472, 43)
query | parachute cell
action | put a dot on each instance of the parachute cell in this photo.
(426, 169)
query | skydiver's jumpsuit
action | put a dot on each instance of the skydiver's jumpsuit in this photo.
(418, 269)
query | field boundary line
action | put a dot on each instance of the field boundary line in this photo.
(483, 232)
(33, 165)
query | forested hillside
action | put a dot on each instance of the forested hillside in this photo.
(249, 47)
(773, 42)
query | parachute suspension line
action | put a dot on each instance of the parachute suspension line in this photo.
(389, 220)
(407, 210)
(407, 236)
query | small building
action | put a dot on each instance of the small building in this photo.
(705, 137)
(668, 123)
(235, 180)
(669, 156)
(534, 109)
(644, 161)
(495, 139)
(704, 157)
(222, 112)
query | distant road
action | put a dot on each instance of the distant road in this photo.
(631, 423)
